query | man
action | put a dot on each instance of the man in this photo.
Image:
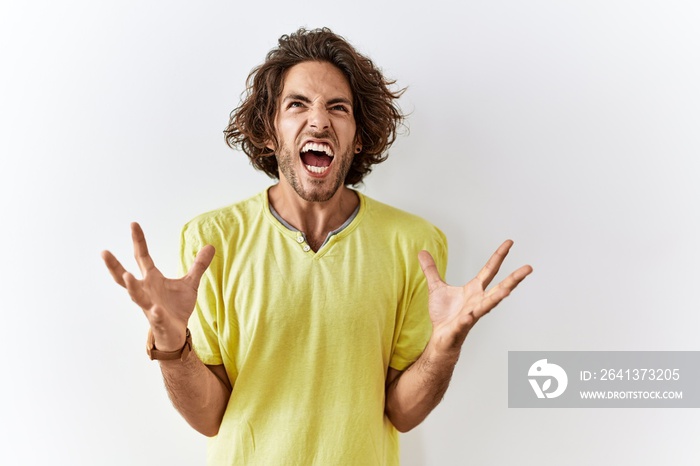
(317, 334)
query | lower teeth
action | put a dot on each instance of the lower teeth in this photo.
(313, 169)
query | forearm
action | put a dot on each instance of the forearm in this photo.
(420, 388)
(196, 392)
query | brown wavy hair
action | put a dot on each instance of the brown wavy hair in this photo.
(377, 115)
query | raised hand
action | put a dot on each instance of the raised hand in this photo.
(167, 303)
(454, 310)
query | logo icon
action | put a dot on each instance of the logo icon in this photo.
(546, 371)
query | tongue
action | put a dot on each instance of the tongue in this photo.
(315, 159)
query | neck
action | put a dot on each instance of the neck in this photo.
(314, 219)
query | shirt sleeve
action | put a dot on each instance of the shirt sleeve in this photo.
(204, 321)
(415, 328)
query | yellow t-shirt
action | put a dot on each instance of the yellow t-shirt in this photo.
(306, 338)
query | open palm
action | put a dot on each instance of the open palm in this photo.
(167, 303)
(455, 309)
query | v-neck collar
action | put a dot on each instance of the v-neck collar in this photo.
(300, 238)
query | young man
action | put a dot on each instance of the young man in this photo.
(319, 320)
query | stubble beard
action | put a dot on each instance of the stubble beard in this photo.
(286, 160)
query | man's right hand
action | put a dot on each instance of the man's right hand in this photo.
(167, 303)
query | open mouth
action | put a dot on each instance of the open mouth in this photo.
(316, 157)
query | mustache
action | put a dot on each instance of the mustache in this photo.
(319, 135)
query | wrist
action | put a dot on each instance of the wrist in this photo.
(440, 353)
(181, 352)
(168, 337)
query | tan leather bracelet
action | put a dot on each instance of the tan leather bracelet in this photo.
(180, 354)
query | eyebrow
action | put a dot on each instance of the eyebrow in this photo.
(340, 100)
(306, 100)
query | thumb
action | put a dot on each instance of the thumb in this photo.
(427, 264)
(200, 265)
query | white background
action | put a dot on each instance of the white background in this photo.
(571, 127)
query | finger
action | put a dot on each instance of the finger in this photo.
(200, 265)
(491, 268)
(502, 290)
(135, 289)
(465, 323)
(430, 270)
(512, 280)
(115, 267)
(489, 302)
(141, 249)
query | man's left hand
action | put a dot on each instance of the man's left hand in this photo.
(454, 310)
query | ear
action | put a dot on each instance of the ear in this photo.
(358, 145)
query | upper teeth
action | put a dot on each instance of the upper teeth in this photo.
(317, 147)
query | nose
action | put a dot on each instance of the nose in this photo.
(318, 118)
